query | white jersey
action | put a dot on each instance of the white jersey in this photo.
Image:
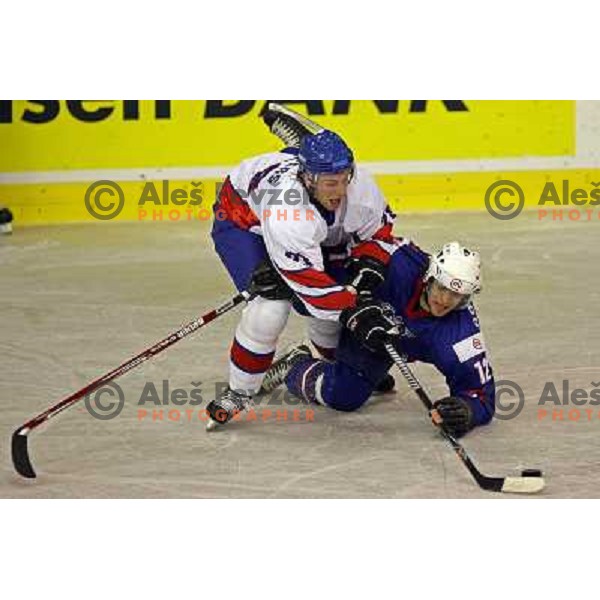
(265, 196)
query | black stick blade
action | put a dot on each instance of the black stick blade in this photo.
(490, 484)
(20, 455)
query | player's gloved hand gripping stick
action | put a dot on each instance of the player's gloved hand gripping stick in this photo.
(530, 481)
(20, 452)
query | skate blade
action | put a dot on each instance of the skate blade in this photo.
(211, 425)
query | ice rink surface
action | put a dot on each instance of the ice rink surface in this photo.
(78, 300)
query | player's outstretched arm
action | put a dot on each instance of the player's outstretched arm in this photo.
(471, 399)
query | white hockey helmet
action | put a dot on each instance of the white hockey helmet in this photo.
(456, 268)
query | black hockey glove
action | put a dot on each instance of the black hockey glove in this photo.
(373, 323)
(268, 283)
(456, 414)
(365, 274)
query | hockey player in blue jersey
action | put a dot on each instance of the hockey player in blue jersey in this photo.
(424, 307)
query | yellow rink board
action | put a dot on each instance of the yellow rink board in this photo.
(64, 202)
(68, 137)
(50, 135)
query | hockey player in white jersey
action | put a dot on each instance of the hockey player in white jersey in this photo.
(302, 227)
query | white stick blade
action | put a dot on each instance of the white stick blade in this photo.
(523, 485)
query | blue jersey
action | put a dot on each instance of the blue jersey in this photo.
(453, 343)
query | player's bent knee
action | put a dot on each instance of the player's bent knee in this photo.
(343, 405)
(348, 393)
(263, 320)
(324, 335)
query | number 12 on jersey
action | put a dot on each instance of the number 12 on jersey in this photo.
(484, 370)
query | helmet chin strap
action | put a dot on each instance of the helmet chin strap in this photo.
(424, 301)
(309, 181)
(464, 302)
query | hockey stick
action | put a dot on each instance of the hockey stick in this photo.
(20, 451)
(525, 484)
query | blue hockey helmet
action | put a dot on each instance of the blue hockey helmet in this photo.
(325, 152)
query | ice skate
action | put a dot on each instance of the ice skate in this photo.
(276, 375)
(222, 409)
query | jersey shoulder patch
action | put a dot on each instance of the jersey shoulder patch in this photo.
(469, 347)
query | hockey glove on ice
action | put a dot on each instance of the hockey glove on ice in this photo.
(456, 414)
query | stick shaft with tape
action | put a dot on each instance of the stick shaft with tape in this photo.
(20, 450)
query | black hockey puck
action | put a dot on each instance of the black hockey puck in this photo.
(531, 473)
